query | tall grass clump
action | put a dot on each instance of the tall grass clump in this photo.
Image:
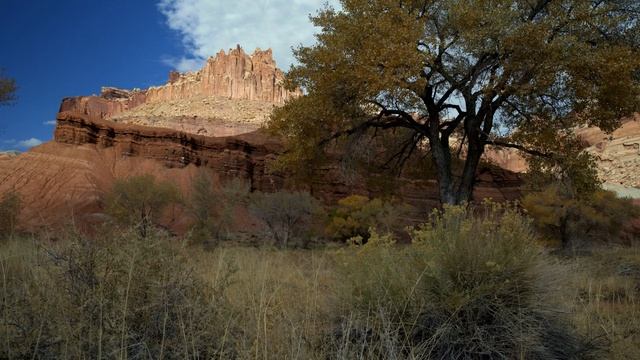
(9, 211)
(473, 285)
(606, 299)
(119, 297)
(280, 299)
(377, 302)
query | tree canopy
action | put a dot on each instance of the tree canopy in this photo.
(521, 74)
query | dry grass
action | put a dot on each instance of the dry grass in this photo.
(280, 299)
(251, 303)
(606, 299)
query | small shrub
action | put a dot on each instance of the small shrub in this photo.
(598, 217)
(356, 214)
(203, 205)
(287, 215)
(139, 200)
(213, 207)
(233, 194)
(9, 211)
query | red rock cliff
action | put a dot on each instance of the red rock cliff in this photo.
(234, 75)
(66, 179)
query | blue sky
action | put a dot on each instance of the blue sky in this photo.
(56, 49)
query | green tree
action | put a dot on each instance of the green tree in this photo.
(508, 73)
(600, 217)
(8, 89)
(139, 200)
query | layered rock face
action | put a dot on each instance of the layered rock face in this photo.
(617, 155)
(244, 156)
(66, 179)
(509, 159)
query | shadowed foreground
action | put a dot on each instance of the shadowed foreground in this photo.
(469, 287)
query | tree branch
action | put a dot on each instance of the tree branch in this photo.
(518, 147)
(389, 122)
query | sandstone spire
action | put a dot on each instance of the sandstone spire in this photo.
(235, 75)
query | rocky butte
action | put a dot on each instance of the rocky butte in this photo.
(234, 76)
(205, 119)
(233, 93)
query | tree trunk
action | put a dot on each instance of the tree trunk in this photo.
(441, 156)
(450, 193)
(468, 179)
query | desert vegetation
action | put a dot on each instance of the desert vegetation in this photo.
(138, 201)
(474, 282)
(288, 216)
(579, 221)
(213, 207)
(355, 216)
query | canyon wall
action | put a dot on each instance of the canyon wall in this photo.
(617, 154)
(65, 180)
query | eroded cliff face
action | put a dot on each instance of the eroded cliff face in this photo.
(244, 156)
(233, 75)
(232, 94)
(65, 180)
(618, 153)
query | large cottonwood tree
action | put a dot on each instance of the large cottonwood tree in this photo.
(511, 73)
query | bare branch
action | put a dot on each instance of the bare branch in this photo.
(379, 122)
(518, 147)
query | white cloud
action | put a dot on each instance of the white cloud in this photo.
(50, 122)
(29, 143)
(206, 26)
(183, 64)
